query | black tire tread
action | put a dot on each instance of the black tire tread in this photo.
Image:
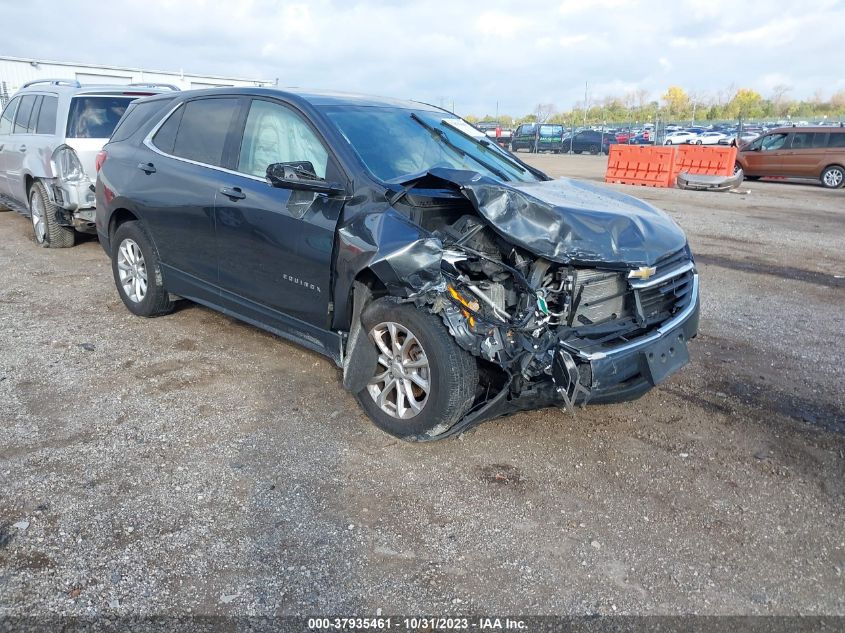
(829, 168)
(157, 302)
(454, 373)
(57, 236)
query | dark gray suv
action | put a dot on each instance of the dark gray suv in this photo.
(450, 281)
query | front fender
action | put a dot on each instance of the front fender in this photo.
(405, 257)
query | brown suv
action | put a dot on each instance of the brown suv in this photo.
(797, 152)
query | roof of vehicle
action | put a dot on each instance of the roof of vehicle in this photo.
(314, 97)
(805, 128)
(71, 87)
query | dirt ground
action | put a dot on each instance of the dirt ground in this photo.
(193, 464)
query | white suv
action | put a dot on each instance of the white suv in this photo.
(50, 134)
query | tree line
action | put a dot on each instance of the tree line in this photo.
(678, 105)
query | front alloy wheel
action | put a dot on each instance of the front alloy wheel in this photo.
(422, 383)
(402, 384)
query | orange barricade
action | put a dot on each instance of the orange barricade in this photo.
(702, 159)
(645, 165)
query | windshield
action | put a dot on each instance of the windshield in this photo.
(394, 143)
(95, 117)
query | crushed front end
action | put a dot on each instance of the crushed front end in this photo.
(550, 329)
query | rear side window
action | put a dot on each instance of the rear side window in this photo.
(8, 116)
(802, 140)
(47, 116)
(202, 129)
(24, 114)
(165, 138)
(95, 117)
(837, 139)
(820, 139)
(136, 115)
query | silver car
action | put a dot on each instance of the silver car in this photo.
(50, 134)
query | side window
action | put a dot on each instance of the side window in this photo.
(47, 116)
(836, 139)
(24, 112)
(802, 140)
(820, 139)
(165, 138)
(8, 116)
(773, 142)
(198, 130)
(277, 134)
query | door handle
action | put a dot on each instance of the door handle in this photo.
(234, 193)
(147, 168)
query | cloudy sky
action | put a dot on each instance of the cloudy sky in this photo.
(472, 54)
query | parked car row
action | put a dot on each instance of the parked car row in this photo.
(534, 137)
(450, 281)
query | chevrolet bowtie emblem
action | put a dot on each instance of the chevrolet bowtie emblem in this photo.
(643, 272)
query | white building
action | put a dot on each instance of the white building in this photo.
(16, 71)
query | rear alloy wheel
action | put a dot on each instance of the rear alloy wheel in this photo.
(47, 230)
(833, 177)
(137, 272)
(423, 383)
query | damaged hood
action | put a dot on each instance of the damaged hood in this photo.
(569, 220)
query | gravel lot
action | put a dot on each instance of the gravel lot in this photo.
(193, 464)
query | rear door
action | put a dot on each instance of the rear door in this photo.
(275, 244)
(15, 148)
(7, 121)
(804, 154)
(179, 169)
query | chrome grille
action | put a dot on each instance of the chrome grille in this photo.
(657, 303)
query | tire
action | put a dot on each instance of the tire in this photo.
(594, 149)
(833, 177)
(134, 256)
(576, 151)
(450, 373)
(668, 143)
(47, 231)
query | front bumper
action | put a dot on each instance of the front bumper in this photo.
(629, 370)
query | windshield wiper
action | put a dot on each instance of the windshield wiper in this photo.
(487, 146)
(437, 132)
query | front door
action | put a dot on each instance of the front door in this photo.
(275, 245)
(764, 156)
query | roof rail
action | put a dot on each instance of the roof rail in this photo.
(53, 82)
(155, 85)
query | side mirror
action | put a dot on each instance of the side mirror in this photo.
(300, 175)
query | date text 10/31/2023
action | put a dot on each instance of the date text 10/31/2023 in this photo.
(415, 623)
